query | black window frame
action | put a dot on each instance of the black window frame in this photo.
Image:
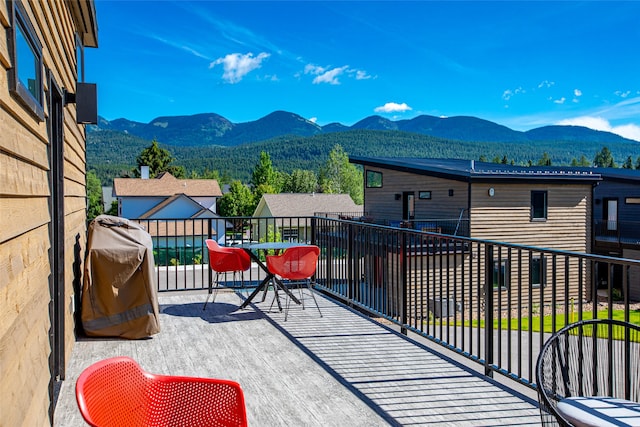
(541, 262)
(368, 180)
(535, 216)
(20, 22)
(500, 274)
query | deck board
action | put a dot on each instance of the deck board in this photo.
(342, 369)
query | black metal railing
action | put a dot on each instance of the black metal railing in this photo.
(493, 302)
(618, 232)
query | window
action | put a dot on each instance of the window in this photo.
(424, 195)
(374, 179)
(500, 279)
(290, 234)
(79, 60)
(538, 205)
(25, 78)
(538, 270)
(632, 200)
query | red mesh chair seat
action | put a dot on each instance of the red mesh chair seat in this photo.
(224, 259)
(117, 392)
(296, 265)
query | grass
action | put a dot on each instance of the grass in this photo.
(547, 321)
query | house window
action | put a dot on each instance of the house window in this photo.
(79, 60)
(500, 279)
(538, 205)
(538, 270)
(632, 200)
(424, 195)
(290, 234)
(25, 78)
(374, 179)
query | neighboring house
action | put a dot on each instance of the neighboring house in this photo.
(44, 104)
(299, 205)
(137, 197)
(172, 200)
(616, 221)
(538, 206)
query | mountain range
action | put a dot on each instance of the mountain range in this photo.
(212, 129)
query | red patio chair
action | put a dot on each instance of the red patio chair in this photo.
(117, 392)
(296, 265)
(224, 259)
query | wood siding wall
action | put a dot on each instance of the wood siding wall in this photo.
(506, 216)
(25, 219)
(381, 204)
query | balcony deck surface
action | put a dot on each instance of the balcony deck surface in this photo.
(342, 369)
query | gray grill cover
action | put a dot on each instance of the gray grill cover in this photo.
(119, 292)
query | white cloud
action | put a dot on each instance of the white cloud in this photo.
(545, 83)
(392, 107)
(237, 65)
(507, 94)
(331, 75)
(630, 131)
(577, 92)
(560, 101)
(362, 75)
(313, 119)
(622, 94)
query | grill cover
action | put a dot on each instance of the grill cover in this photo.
(119, 292)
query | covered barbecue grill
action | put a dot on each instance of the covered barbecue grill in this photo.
(119, 293)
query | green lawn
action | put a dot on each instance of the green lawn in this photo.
(634, 317)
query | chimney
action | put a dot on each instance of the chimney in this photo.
(144, 172)
(473, 165)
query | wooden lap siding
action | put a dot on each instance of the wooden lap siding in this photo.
(25, 219)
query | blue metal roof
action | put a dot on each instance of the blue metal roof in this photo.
(472, 170)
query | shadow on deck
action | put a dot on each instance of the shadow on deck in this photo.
(342, 369)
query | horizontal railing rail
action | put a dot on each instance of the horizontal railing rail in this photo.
(493, 302)
(621, 232)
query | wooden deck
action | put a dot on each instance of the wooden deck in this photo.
(342, 369)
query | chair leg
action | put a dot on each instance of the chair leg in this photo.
(215, 293)
(314, 297)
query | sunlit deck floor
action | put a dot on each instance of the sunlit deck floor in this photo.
(339, 370)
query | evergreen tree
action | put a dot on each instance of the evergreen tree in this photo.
(159, 160)
(628, 164)
(545, 160)
(604, 159)
(638, 163)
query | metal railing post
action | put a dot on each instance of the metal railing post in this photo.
(488, 310)
(404, 287)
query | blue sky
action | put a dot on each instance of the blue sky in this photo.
(520, 64)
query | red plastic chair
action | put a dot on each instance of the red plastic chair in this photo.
(117, 392)
(297, 265)
(223, 259)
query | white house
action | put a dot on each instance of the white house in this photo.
(180, 214)
(140, 197)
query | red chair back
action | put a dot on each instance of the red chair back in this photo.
(223, 259)
(295, 263)
(117, 392)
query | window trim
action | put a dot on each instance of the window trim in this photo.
(20, 19)
(500, 271)
(545, 207)
(542, 273)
